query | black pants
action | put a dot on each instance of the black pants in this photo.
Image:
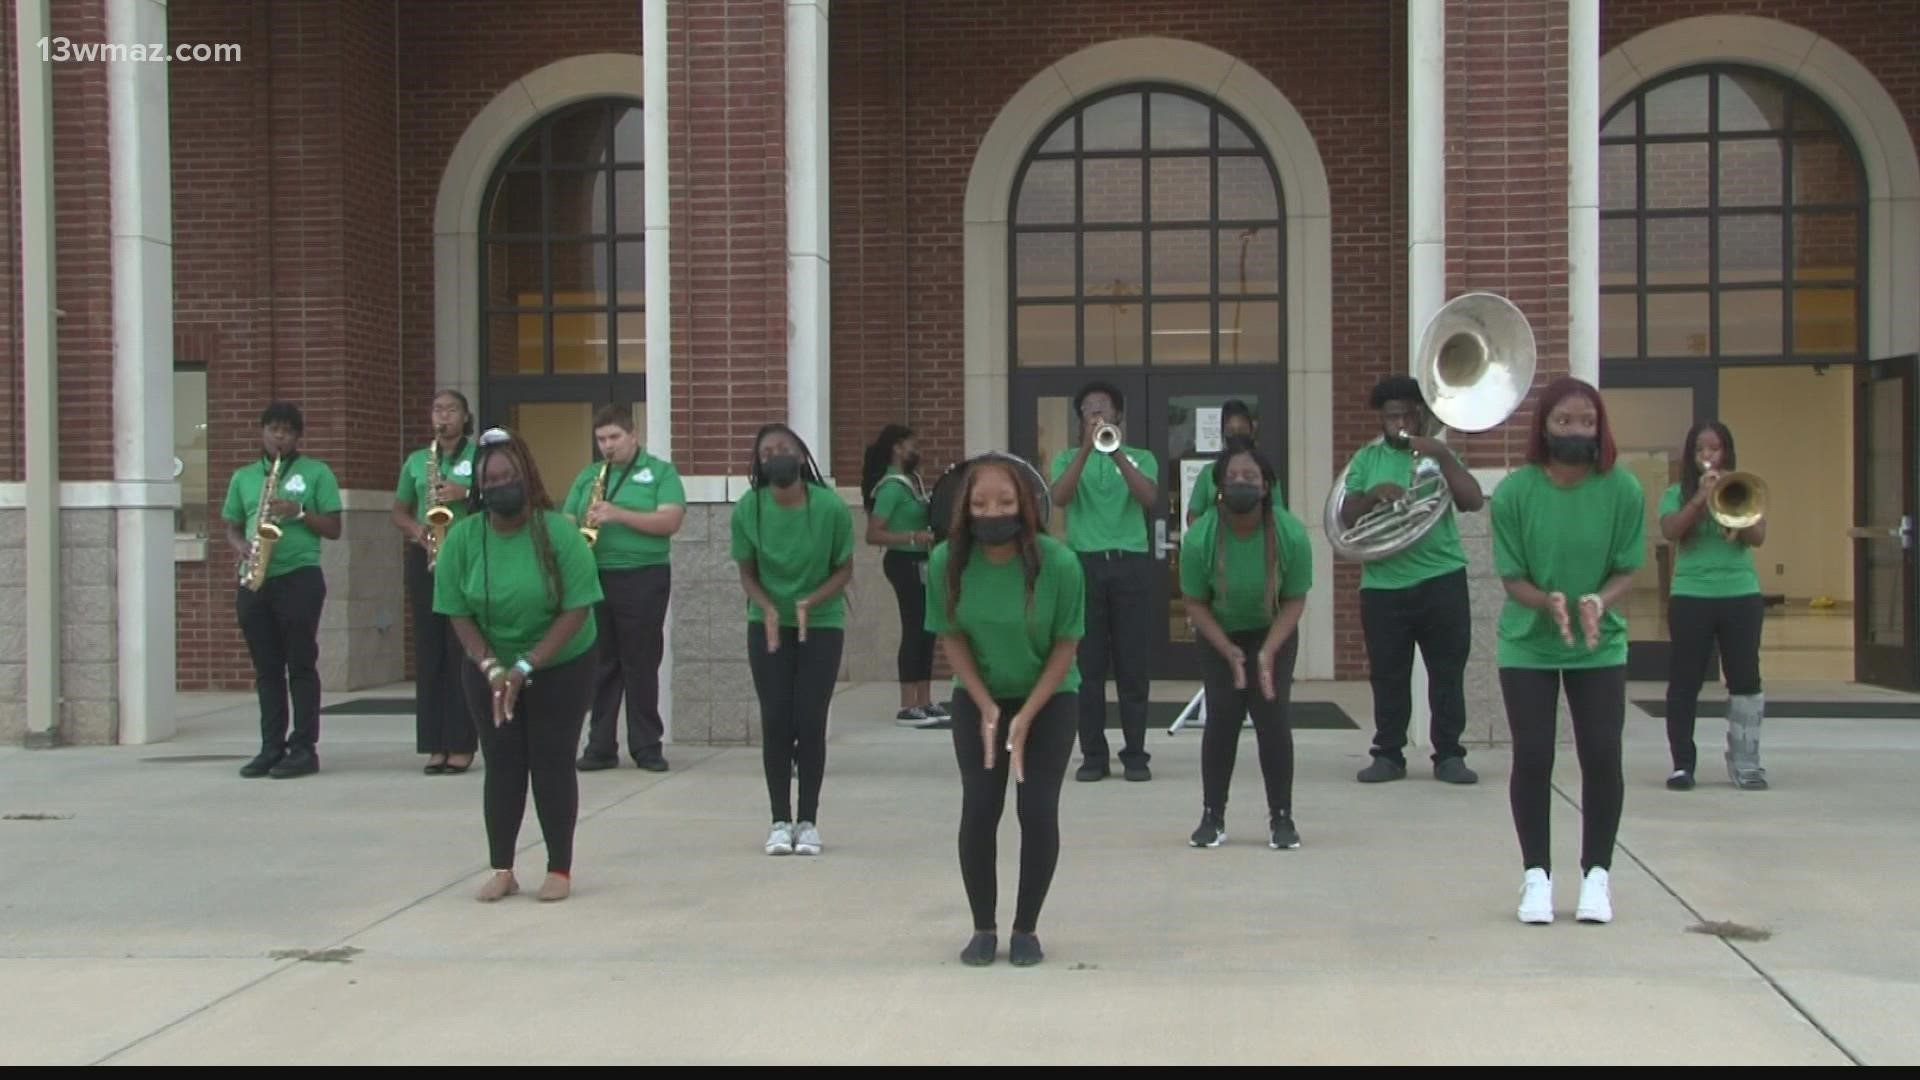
(1437, 616)
(904, 570)
(795, 686)
(1597, 698)
(983, 797)
(537, 745)
(1119, 638)
(281, 623)
(441, 722)
(632, 623)
(1695, 624)
(1227, 710)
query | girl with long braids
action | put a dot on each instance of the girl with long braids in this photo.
(793, 539)
(1009, 603)
(518, 583)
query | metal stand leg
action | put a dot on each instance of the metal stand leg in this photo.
(1196, 708)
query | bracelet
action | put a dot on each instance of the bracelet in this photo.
(525, 668)
(490, 668)
(1595, 598)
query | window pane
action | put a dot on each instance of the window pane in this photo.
(1061, 140)
(1046, 194)
(630, 348)
(1619, 174)
(1826, 247)
(579, 273)
(1752, 103)
(1114, 333)
(1112, 190)
(1180, 189)
(1826, 321)
(516, 204)
(190, 452)
(1113, 262)
(1677, 251)
(579, 202)
(1250, 259)
(1043, 264)
(1113, 124)
(1180, 260)
(1182, 334)
(581, 138)
(1249, 332)
(1622, 123)
(1751, 322)
(1044, 336)
(1619, 251)
(1232, 135)
(1619, 324)
(1678, 107)
(580, 345)
(630, 262)
(1824, 172)
(1677, 324)
(1246, 190)
(513, 275)
(515, 344)
(630, 201)
(1178, 123)
(1750, 248)
(1809, 115)
(1677, 176)
(1750, 172)
(630, 135)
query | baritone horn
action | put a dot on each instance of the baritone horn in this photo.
(1474, 364)
(1106, 439)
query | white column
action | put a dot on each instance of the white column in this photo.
(1583, 190)
(142, 198)
(654, 100)
(809, 364)
(1426, 229)
(39, 335)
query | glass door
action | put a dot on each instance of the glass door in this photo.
(1883, 529)
(555, 417)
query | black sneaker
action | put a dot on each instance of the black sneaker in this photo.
(1382, 771)
(1679, 780)
(654, 762)
(1091, 771)
(1024, 950)
(980, 950)
(262, 764)
(1212, 831)
(1282, 836)
(593, 763)
(298, 762)
(1137, 771)
(1454, 770)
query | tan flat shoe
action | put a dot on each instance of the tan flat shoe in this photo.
(498, 887)
(556, 887)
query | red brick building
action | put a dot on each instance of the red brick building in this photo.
(948, 214)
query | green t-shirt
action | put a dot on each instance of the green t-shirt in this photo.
(1707, 564)
(795, 549)
(497, 581)
(1438, 552)
(306, 481)
(1104, 515)
(1011, 641)
(1565, 540)
(1244, 607)
(644, 485)
(456, 468)
(900, 507)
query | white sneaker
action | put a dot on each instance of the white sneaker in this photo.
(806, 839)
(1536, 897)
(1596, 898)
(780, 840)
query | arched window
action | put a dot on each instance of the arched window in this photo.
(563, 279)
(1732, 223)
(1147, 230)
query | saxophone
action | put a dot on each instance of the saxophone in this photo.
(599, 492)
(253, 569)
(439, 518)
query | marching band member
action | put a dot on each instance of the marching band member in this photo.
(434, 481)
(896, 504)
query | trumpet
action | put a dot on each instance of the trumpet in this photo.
(439, 516)
(1106, 438)
(1739, 501)
(599, 492)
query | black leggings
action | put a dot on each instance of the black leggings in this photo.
(915, 660)
(795, 685)
(1695, 624)
(538, 742)
(1597, 698)
(983, 796)
(1227, 710)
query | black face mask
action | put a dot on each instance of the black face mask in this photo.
(1244, 498)
(1573, 449)
(783, 471)
(507, 500)
(996, 530)
(910, 463)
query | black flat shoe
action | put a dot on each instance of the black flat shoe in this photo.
(980, 950)
(450, 769)
(435, 768)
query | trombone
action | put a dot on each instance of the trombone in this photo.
(1739, 500)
